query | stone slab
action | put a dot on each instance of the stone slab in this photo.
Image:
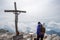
(18, 37)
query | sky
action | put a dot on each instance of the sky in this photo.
(45, 11)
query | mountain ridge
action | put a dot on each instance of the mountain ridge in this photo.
(53, 32)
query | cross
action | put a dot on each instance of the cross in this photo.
(16, 16)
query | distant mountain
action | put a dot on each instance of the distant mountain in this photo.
(28, 29)
(53, 32)
(54, 27)
(3, 31)
(6, 27)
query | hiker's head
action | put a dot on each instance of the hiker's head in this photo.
(39, 23)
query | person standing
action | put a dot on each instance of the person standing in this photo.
(40, 31)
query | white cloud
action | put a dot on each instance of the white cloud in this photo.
(53, 24)
(48, 29)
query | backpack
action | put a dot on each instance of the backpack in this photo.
(42, 30)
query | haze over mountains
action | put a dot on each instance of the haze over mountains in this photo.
(28, 29)
(7, 27)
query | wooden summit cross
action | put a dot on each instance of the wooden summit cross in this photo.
(16, 16)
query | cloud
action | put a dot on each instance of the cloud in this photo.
(47, 29)
(53, 25)
(35, 8)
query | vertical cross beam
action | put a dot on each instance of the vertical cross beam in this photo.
(16, 19)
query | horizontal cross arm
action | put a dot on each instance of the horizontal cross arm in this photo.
(23, 11)
(14, 11)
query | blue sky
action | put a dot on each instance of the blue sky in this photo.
(45, 11)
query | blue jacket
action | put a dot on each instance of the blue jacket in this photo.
(39, 30)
